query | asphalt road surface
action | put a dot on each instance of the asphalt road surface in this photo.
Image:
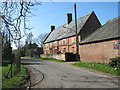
(47, 74)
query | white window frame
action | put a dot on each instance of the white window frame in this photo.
(55, 43)
(50, 44)
(63, 49)
(72, 39)
(46, 45)
(72, 49)
(64, 40)
(46, 51)
(55, 51)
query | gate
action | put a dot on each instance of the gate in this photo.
(70, 57)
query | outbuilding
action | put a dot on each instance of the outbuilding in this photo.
(103, 44)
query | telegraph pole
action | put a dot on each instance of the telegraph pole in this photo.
(0, 40)
(77, 46)
(0, 50)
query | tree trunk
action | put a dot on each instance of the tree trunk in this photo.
(17, 61)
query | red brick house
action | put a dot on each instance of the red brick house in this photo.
(96, 43)
(63, 39)
(102, 44)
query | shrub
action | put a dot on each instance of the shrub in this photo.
(115, 62)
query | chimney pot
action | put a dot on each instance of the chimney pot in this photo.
(69, 17)
(52, 28)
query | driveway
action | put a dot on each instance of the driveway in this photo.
(48, 74)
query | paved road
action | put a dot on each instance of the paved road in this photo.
(49, 74)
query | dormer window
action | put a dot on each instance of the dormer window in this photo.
(64, 41)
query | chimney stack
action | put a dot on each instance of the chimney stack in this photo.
(52, 28)
(69, 17)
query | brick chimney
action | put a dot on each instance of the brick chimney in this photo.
(69, 17)
(52, 28)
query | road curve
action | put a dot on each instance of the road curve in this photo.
(60, 75)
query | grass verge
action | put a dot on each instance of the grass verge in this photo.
(6, 61)
(17, 80)
(50, 59)
(102, 67)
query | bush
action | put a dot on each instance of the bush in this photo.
(115, 62)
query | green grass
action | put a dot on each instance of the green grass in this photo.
(5, 70)
(102, 67)
(17, 80)
(6, 61)
(50, 59)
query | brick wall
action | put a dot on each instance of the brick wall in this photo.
(98, 52)
(60, 56)
(60, 45)
(65, 56)
(94, 52)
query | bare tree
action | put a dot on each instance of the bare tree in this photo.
(40, 39)
(14, 17)
(29, 37)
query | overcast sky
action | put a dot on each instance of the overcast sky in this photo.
(54, 13)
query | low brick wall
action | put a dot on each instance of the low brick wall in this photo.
(60, 56)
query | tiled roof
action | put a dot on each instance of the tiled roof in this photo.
(67, 30)
(108, 31)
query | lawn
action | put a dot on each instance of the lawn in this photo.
(5, 62)
(6, 69)
(50, 59)
(16, 80)
(102, 67)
